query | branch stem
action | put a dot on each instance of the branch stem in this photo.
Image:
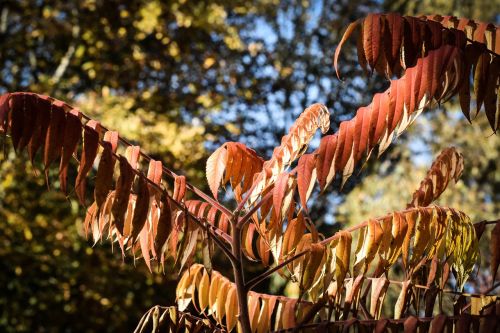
(239, 280)
(258, 279)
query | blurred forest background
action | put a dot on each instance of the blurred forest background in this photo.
(179, 78)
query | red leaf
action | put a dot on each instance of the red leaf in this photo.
(90, 146)
(41, 126)
(4, 112)
(324, 162)
(372, 29)
(393, 38)
(179, 188)
(29, 120)
(279, 193)
(17, 118)
(72, 135)
(382, 117)
(305, 178)
(348, 145)
(55, 135)
(341, 136)
(346, 35)
(155, 171)
(374, 111)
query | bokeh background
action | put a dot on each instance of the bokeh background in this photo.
(179, 78)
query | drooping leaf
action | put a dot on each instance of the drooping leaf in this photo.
(495, 250)
(378, 292)
(215, 169)
(72, 136)
(141, 210)
(306, 176)
(389, 113)
(179, 188)
(90, 146)
(123, 188)
(105, 170)
(55, 134)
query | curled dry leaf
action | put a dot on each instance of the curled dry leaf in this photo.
(446, 167)
(293, 145)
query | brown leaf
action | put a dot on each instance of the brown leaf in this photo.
(495, 250)
(312, 265)
(411, 324)
(293, 233)
(438, 324)
(463, 323)
(123, 188)
(281, 191)
(342, 258)
(403, 300)
(141, 210)
(378, 292)
(104, 177)
(480, 227)
(164, 225)
(492, 90)
(447, 166)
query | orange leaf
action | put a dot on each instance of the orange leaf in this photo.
(216, 164)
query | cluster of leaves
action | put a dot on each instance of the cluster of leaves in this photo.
(140, 214)
(383, 38)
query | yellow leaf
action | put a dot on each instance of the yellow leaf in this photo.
(232, 311)
(203, 291)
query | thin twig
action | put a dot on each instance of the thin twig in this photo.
(249, 214)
